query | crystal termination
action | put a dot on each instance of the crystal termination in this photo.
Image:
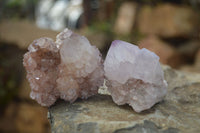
(134, 76)
(69, 68)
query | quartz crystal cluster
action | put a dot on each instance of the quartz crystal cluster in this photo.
(81, 68)
(69, 68)
(134, 76)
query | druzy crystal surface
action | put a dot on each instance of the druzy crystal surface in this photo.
(69, 68)
(81, 69)
(134, 76)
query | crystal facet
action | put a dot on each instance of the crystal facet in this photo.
(134, 76)
(81, 69)
(41, 65)
(69, 68)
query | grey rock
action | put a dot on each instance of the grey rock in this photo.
(179, 112)
(147, 127)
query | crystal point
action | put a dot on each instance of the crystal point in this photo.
(134, 76)
(81, 68)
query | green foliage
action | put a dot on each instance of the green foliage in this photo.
(15, 3)
(17, 8)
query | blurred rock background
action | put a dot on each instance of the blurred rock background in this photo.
(170, 28)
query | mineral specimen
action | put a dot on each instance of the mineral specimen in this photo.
(134, 76)
(41, 64)
(81, 69)
(68, 68)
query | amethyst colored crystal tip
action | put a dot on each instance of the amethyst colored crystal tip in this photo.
(134, 76)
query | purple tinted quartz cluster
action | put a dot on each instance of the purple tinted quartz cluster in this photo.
(69, 68)
(134, 76)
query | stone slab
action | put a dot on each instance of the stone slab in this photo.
(179, 112)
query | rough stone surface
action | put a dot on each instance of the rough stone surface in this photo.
(178, 113)
(68, 68)
(177, 21)
(168, 54)
(134, 76)
(126, 18)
